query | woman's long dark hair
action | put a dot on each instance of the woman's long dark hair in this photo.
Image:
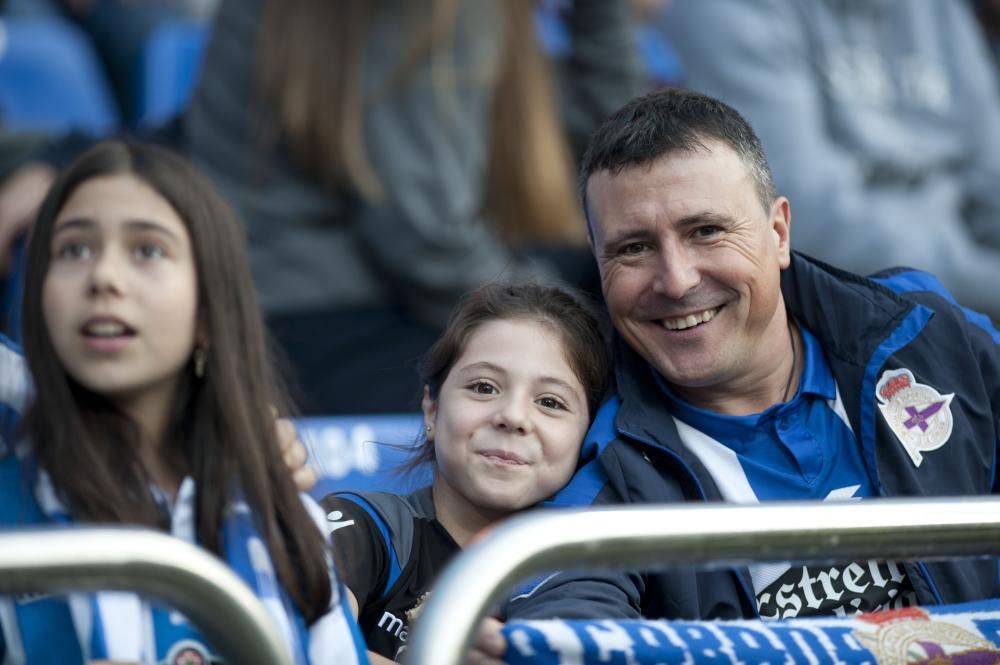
(222, 425)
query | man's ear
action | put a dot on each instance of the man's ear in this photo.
(429, 406)
(780, 217)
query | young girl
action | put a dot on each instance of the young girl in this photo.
(509, 391)
(153, 406)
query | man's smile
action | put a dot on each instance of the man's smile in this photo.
(690, 320)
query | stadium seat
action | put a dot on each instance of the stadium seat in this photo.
(51, 80)
(171, 62)
(12, 292)
(361, 453)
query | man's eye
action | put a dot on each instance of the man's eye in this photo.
(707, 231)
(632, 249)
(483, 388)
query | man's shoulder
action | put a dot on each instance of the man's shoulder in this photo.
(616, 465)
(927, 290)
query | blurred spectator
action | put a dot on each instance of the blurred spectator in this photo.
(988, 13)
(15, 149)
(118, 30)
(389, 156)
(881, 121)
(660, 62)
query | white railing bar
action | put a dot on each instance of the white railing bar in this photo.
(153, 564)
(711, 536)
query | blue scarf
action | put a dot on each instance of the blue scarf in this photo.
(120, 626)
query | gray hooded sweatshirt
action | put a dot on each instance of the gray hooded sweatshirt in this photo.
(881, 122)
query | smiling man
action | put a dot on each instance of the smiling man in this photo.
(746, 372)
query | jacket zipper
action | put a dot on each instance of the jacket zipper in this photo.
(920, 565)
(740, 573)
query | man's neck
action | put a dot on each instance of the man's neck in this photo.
(754, 393)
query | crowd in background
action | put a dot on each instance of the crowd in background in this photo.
(387, 157)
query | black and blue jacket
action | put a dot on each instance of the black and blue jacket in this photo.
(897, 319)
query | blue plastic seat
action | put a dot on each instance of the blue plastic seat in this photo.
(171, 62)
(51, 79)
(360, 453)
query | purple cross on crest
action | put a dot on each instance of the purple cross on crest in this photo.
(919, 417)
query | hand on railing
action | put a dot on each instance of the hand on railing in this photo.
(490, 646)
(295, 454)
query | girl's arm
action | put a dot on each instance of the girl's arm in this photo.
(373, 658)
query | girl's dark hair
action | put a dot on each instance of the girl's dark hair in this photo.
(222, 424)
(573, 317)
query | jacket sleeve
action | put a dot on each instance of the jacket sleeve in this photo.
(758, 57)
(574, 595)
(577, 594)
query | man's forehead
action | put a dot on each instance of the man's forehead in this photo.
(712, 174)
(704, 148)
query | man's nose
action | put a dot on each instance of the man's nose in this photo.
(677, 272)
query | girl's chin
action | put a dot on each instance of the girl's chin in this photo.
(492, 502)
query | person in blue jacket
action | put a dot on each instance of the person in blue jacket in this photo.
(746, 372)
(154, 405)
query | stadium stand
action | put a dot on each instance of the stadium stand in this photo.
(360, 453)
(171, 61)
(50, 80)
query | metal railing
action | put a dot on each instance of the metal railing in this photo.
(716, 536)
(154, 565)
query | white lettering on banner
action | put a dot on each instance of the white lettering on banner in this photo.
(337, 453)
(823, 642)
(610, 639)
(839, 589)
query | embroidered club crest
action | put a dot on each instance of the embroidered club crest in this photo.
(188, 652)
(918, 414)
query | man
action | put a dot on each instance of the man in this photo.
(746, 372)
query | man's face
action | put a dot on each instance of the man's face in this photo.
(690, 264)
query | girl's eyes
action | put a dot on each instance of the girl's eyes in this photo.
(546, 402)
(483, 388)
(148, 251)
(552, 403)
(73, 251)
(76, 251)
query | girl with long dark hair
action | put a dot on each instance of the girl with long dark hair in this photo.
(509, 391)
(154, 405)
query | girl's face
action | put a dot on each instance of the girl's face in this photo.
(509, 419)
(120, 295)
